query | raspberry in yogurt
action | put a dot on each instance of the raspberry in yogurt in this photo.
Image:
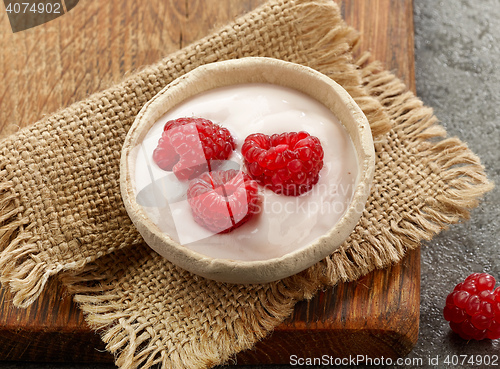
(284, 223)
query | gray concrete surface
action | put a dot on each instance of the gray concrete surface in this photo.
(457, 44)
(458, 74)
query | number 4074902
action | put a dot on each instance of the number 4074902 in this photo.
(24, 8)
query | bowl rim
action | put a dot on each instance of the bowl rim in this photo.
(234, 72)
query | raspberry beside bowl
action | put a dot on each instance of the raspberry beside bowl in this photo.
(234, 73)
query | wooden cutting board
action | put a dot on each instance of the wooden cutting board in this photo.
(92, 47)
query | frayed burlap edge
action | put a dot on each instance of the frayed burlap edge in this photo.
(458, 171)
(134, 341)
(26, 270)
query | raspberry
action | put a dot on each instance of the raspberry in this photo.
(287, 163)
(223, 200)
(189, 146)
(473, 308)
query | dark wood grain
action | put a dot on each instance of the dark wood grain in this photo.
(92, 47)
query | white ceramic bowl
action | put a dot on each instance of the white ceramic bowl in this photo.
(241, 71)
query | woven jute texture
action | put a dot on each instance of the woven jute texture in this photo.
(61, 209)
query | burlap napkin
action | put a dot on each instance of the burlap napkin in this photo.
(61, 209)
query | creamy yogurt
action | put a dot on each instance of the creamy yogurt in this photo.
(285, 223)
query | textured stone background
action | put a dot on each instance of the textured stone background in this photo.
(457, 45)
(458, 74)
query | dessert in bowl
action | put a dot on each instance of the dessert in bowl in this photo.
(279, 222)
